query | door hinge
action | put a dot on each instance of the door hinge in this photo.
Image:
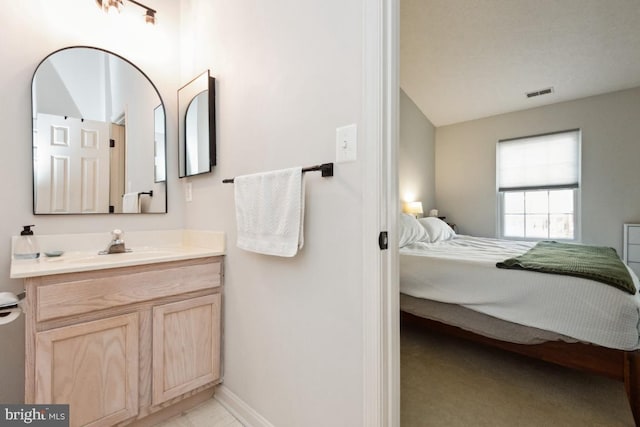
(112, 143)
(383, 240)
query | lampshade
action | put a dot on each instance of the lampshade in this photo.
(414, 208)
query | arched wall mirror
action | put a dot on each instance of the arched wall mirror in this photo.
(99, 136)
(196, 126)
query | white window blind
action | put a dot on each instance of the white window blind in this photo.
(539, 162)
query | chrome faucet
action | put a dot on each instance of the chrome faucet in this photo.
(116, 245)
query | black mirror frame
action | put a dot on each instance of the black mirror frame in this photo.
(162, 104)
(182, 157)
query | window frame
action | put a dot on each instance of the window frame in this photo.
(576, 217)
(577, 199)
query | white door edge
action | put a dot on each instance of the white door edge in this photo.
(381, 331)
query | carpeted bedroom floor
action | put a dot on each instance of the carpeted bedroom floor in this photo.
(450, 382)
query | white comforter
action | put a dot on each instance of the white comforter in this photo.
(462, 271)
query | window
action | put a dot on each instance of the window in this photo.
(538, 186)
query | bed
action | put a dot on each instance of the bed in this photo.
(450, 283)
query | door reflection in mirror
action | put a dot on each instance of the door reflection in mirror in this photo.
(98, 133)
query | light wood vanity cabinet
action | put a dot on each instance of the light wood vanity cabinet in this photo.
(93, 366)
(122, 344)
(186, 342)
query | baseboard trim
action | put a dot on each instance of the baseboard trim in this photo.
(239, 408)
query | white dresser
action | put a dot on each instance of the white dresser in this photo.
(631, 247)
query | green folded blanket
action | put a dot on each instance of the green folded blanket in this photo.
(589, 262)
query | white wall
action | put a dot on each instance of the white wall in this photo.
(466, 158)
(30, 31)
(88, 94)
(416, 156)
(287, 73)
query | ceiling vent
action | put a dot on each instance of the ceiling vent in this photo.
(540, 92)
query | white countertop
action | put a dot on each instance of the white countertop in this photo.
(147, 247)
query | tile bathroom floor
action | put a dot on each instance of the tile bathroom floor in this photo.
(208, 414)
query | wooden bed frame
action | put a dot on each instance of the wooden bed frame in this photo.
(619, 365)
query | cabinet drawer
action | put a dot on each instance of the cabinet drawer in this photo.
(78, 293)
(633, 235)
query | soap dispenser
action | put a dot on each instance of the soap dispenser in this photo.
(26, 246)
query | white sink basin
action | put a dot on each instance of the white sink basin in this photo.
(85, 258)
(80, 251)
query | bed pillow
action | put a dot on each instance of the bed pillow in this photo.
(410, 230)
(437, 229)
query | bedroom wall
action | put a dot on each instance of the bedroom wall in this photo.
(610, 188)
(49, 26)
(416, 155)
(287, 74)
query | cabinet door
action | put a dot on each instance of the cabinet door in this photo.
(91, 366)
(186, 346)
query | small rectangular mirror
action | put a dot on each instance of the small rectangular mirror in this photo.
(196, 126)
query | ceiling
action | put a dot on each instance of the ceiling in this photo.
(466, 59)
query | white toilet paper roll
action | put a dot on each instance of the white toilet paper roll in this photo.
(8, 298)
(8, 316)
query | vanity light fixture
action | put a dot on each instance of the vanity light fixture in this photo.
(150, 17)
(107, 5)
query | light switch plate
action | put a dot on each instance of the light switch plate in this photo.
(346, 143)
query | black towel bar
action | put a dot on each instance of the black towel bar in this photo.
(148, 193)
(325, 168)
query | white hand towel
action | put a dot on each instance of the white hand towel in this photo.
(131, 203)
(270, 212)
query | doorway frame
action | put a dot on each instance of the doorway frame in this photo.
(381, 308)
